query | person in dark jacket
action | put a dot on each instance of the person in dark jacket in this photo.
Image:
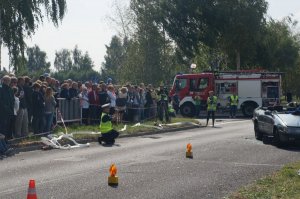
(38, 109)
(149, 103)
(28, 95)
(5, 150)
(7, 102)
(94, 105)
(73, 91)
(65, 93)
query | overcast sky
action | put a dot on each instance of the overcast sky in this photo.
(87, 26)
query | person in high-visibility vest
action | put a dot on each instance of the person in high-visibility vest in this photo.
(211, 107)
(171, 111)
(108, 134)
(234, 100)
(162, 104)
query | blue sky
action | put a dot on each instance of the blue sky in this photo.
(86, 24)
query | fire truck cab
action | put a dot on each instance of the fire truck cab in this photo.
(254, 88)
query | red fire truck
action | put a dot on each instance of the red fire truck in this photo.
(254, 88)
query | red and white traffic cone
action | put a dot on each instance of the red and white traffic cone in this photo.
(31, 194)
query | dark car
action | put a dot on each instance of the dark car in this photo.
(283, 126)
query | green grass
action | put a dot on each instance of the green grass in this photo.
(77, 128)
(130, 130)
(282, 184)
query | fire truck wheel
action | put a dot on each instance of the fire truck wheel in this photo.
(187, 110)
(248, 109)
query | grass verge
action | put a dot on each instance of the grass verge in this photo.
(282, 184)
(82, 131)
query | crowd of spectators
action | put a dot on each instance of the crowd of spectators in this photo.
(30, 105)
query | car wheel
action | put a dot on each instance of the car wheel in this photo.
(277, 139)
(258, 134)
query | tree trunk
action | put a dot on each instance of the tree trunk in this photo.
(238, 60)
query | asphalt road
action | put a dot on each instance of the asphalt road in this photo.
(225, 158)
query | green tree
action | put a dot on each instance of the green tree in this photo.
(37, 60)
(77, 57)
(279, 47)
(240, 23)
(20, 19)
(63, 60)
(279, 51)
(230, 25)
(73, 64)
(150, 55)
(113, 59)
(86, 63)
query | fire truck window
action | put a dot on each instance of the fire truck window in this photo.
(193, 83)
(226, 88)
(272, 92)
(180, 84)
(203, 84)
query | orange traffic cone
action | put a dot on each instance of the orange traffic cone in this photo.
(31, 190)
(189, 153)
(113, 179)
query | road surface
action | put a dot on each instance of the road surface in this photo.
(225, 158)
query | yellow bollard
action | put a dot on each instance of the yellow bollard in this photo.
(189, 153)
(113, 179)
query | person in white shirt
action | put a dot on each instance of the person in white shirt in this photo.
(84, 102)
(16, 109)
(112, 97)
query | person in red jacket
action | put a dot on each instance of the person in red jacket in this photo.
(94, 105)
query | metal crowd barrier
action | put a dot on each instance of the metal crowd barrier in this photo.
(69, 110)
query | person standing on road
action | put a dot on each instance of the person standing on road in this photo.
(234, 100)
(211, 107)
(162, 104)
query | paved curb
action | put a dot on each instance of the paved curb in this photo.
(37, 146)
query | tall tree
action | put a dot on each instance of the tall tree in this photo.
(279, 47)
(66, 60)
(241, 23)
(77, 56)
(63, 60)
(37, 60)
(86, 62)
(20, 19)
(231, 25)
(113, 59)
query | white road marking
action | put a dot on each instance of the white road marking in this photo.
(255, 164)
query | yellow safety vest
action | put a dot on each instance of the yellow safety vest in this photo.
(234, 100)
(212, 103)
(105, 126)
(170, 108)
